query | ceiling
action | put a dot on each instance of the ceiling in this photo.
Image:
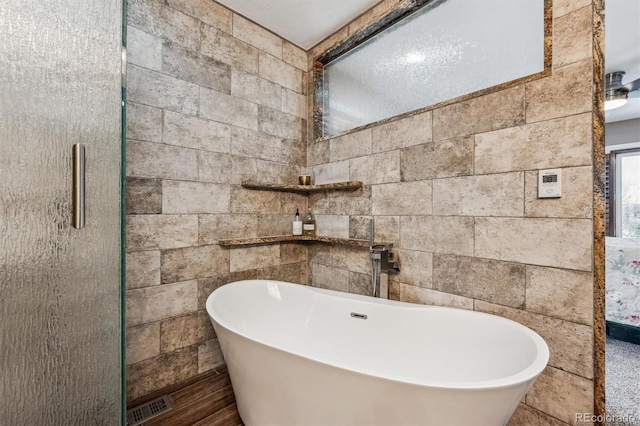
(307, 22)
(622, 51)
(303, 22)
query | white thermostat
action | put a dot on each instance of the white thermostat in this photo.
(550, 183)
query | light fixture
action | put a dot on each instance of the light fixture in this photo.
(414, 57)
(615, 94)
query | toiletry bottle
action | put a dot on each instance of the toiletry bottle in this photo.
(309, 224)
(297, 224)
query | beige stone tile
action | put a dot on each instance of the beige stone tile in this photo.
(280, 72)
(257, 36)
(570, 344)
(576, 200)
(144, 122)
(253, 257)
(331, 172)
(293, 55)
(452, 157)
(224, 168)
(211, 13)
(416, 268)
(196, 68)
(228, 109)
(528, 416)
(162, 91)
(294, 103)
(489, 280)
(149, 232)
(573, 37)
(487, 195)
(292, 253)
(290, 202)
(159, 20)
(360, 284)
(194, 132)
(563, 142)
(332, 226)
(193, 262)
(410, 131)
(387, 228)
(274, 224)
(248, 201)
(425, 233)
(180, 197)
(142, 342)
(271, 171)
(377, 168)
(295, 151)
(352, 202)
(228, 49)
(560, 293)
(426, 296)
(215, 227)
(563, 243)
(469, 117)
(185, 330)
(252, 88)
(144, 196)
(351, 145)
(292, 273)
(206, 286)
(149, 304)
(143, 269)
(561, 394)
(152, 160)
(330, 278)
(562, 7)
(349, 258)
(566, 93)
(159, 372)
(209, 356)
(279, 124)
(318, 153)
(405, 198)
(143, 49)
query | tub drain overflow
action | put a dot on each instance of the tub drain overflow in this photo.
(359, 316)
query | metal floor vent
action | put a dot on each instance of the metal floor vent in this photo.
(151, 409)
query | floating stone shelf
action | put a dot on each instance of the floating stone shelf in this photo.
(304, 189)
(293, 238)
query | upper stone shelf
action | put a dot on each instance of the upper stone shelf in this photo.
(293, 239)
(304, 189)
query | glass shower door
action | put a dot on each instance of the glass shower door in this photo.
(60, 290)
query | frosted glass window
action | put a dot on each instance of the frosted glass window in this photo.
(444, 50)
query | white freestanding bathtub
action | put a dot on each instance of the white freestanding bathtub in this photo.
(299, 355)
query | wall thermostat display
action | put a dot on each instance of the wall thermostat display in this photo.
(550, 183)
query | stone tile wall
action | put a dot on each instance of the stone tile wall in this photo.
(455, 189)
(212, 99)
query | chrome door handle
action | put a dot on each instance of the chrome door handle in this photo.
(78, 185)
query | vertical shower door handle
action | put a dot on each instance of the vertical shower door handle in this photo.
(78, 185)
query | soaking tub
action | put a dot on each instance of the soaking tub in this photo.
(299, 355)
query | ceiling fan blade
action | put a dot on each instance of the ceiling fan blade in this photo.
(633, 85)
(634, 94)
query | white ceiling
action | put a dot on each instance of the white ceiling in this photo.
(622, 51)
(303, 22)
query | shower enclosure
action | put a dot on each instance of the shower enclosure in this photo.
(60, 286)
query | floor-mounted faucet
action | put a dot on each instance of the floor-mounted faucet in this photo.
(382, 262)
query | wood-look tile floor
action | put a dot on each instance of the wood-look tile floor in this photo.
(207, 402)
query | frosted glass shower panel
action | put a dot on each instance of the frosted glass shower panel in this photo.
(444, 50)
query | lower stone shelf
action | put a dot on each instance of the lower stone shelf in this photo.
(293, 238)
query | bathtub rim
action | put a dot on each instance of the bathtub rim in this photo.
(531, 372)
